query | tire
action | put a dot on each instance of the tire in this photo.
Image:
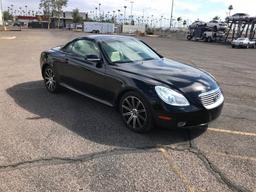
(135, 112)
(233, 46)
(50, 80)
(189, 37)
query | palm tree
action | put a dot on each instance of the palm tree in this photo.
(230, 8)
(96, 13)
(179, 19)
(184, 23)
(216, 18)
(26, 7)
(118, 15)
(20, 10)
(12, 8)
(125, 7)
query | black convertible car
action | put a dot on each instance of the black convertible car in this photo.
(126, 73)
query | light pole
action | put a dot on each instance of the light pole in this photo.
(172, 1)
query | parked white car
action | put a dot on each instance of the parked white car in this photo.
(243, 42)
(238, 16)
(217, 24)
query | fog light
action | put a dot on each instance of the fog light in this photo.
(181, 124)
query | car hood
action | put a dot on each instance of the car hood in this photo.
(179, 76)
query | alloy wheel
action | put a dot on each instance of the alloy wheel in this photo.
(134, 112)
(49, 79)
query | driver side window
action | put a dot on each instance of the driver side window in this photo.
(83, 48)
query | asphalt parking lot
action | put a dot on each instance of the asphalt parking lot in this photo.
(66, 142)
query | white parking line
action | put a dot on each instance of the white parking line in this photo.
(232, 132)
(8, 38)
(176, 170)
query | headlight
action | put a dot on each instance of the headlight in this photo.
(171, 97)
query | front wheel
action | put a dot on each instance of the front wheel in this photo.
(50, 81)
(136, 112)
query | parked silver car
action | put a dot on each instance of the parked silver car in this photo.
(243, 42)
(217, 24)
(238, 16)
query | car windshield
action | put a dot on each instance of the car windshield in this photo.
(127, 51)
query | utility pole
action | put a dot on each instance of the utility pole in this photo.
(172, 2)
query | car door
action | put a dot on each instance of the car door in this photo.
(82, 74)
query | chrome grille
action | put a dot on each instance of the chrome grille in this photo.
(211, 99)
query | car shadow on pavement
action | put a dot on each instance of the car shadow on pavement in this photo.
(90, 119)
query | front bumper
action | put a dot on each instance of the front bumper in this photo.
(186, 118)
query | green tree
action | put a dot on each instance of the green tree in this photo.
(184, 23)
(7, 16)
(77, 18)
(52, 7)
(230, 8)
(47, 6)
(216, 18)
(58, 8)
(179, 19)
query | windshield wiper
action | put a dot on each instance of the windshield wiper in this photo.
(122, 62)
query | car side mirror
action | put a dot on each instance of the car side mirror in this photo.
(95, 59)
(92, 58)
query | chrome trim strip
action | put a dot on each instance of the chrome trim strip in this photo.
(217, 92)
(210, 92)
(216, 104)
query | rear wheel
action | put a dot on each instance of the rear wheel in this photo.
(50, 81)
(136, 112)
(189, 37)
